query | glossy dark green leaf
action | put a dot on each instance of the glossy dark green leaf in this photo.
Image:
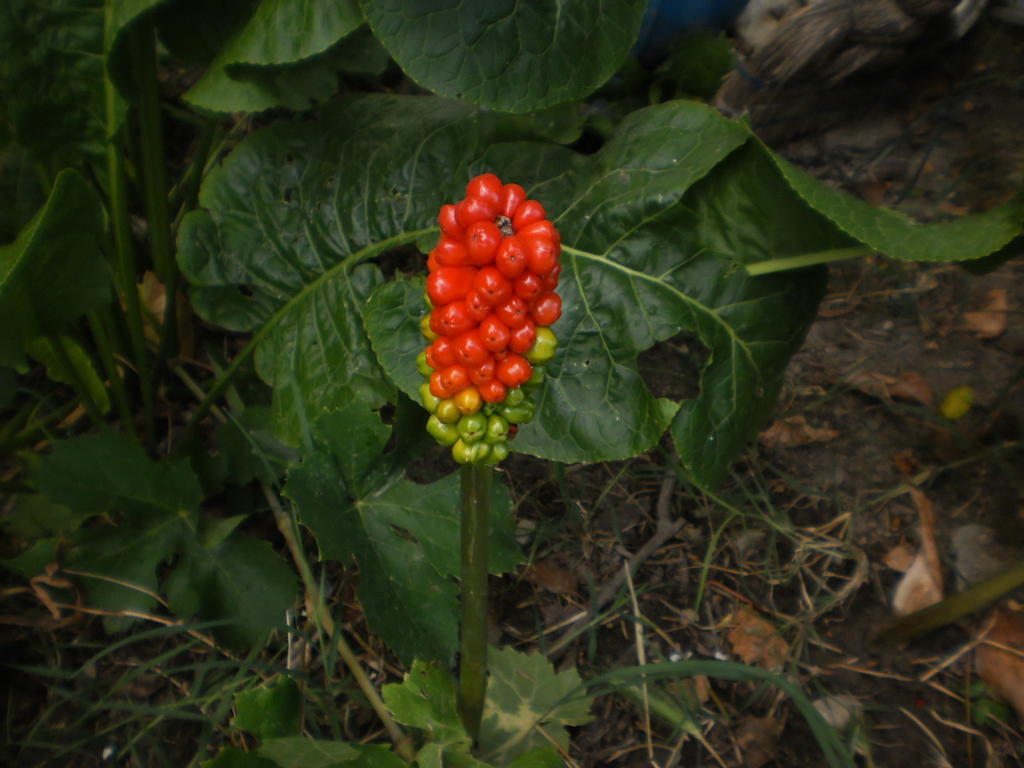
(51, 78)
(277, 36)
(54, 272)
(273, 710)
(296, 207)
(511, 55)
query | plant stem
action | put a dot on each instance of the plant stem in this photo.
(99, 333)
(806, 260)
(35, 431)
(123, 245)
(476, 501)
(286, 525)
(80, 387)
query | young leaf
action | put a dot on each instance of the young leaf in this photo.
(528, 705)
(54, 272)
(512, 56)
(42, 349)
(272, 710)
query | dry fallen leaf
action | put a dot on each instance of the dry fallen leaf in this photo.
(758, 739)
(1003, 670)
(989, 321)
(756, 641)
(907, 386)
(921, 585)
(899, 558)
(793, 431)
(552, 578)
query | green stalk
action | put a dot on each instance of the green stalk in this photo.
(806, 260)
(476, 500)
(36, 430)
(61, 351)
(125, 261)
(102, 338)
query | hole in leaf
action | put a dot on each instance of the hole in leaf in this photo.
(671, 368)
(246, 291)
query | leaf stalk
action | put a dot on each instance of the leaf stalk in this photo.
(476, 497)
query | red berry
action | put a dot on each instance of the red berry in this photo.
(511, 258)
(495, 287)
(473, 209)
(442, 350)
(450, 253)
(477, 306)
(481, 374)
(528, 286)
(512, 196)
(437, 386)
(514, 370)
(527, 213)
(512, 313)
(448, 284)
(550, 280)
(542, 254)
(495, 334)
(470, 349)
(543, 228)
(449, 224)
(452, 319)
(522, 337)
(482, 241)
(455, 378)
(492, 391)
(547, 309)
(487, 187)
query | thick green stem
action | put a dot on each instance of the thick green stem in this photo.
(476, 497)
(123, 244)
(806, 260)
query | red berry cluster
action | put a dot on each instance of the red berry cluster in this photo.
(491, 286)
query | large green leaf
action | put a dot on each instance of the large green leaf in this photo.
(896, 235)
(271, 711)
(292, 212)
(300, 752)
(54, 272)
(512, 55)
(277, 53)
(404, 536)
(51, 78)
(109, 473)
(225, 576)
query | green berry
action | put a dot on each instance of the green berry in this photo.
(445, 434)
(447, 411)
(429, 399)
(497, 429)
(544, 346)
(472, 427)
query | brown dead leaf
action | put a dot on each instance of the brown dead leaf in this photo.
(1002, 670)
(906, 463)
(153, 298)
(914, 387)
(921, 585)
(793, 431)
(551, 577)
(899, 558)
(758, 739)
(756, 641)
(989, 321)
(907, 386)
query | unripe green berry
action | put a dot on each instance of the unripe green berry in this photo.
(445, 434)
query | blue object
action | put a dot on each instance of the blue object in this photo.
(667, 19)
